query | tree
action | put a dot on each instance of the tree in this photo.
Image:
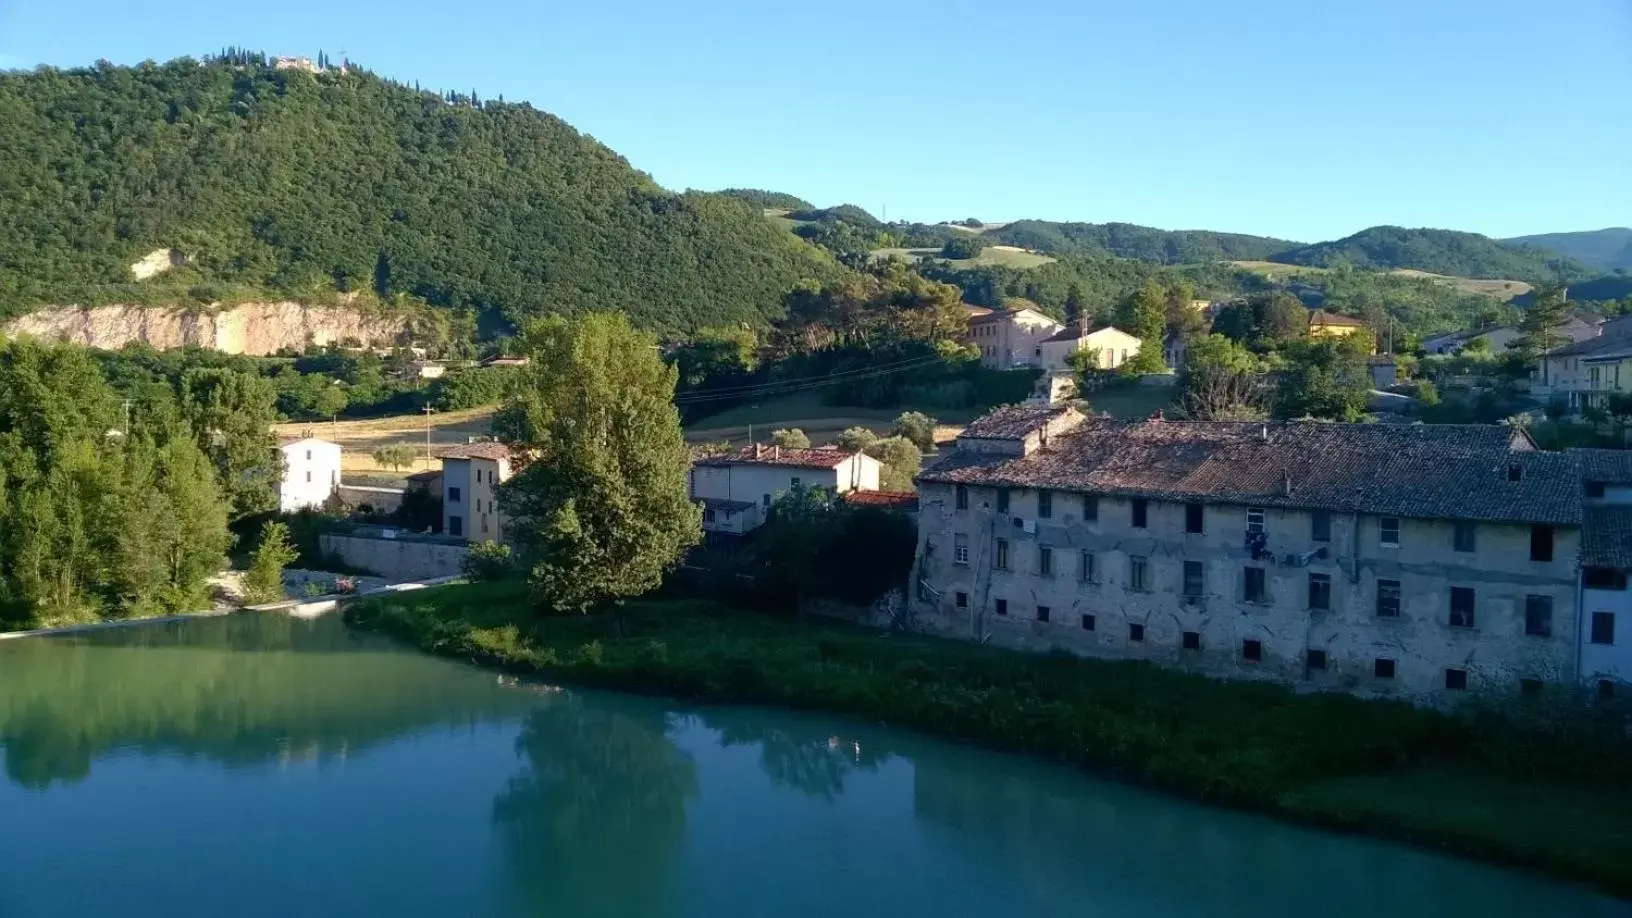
(960, 247)
(1223, 381)
(1538, 330)
(917, 427)
(790, 438)
(1145, 316)
(329, 400)
(1185, 323)
(855, 439)
(600, 506)
(1264, 321)
(232, 414)
(1325, 378)
(395, 456)
(900, 460)
(1073, 305)
(264, 580)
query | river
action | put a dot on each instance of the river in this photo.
(265, 766)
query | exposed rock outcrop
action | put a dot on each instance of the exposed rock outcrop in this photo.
(257, 329)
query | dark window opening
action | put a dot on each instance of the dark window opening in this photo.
(1388, 531)
(1136, 632)
(1087, 622)
(1595, 489)
(1090, 507)
(1541, 543)
(1382, 668)
(1045, 504)
(1002, 500)
(1141, 512)
(1603, 628)
(1320, 592)
(1002, 607)
(961, 497)
(1042, 613)
(1194, 514)
(1192, 640)
(1320, 526)
(1456, 679)
(1603, 578)
(1463, 538)
(1317, 659)
(1253, 584)
(1000, 554)
(456, 525)
(1388, 598)
(1538, 616)
(1045, 561)
(1461, 607)
(961, 600)
(1138, 573)
(1194, 579)
(1515, 472)
(1252, 651)
(453, 495)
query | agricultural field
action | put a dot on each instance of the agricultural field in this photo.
(1497, 288)
(1006, 256)
(359, 439)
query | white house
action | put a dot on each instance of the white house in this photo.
(471, 475)
(1115, 347)
(1606, 562)
(737, 488)
(1009, 338)
(311, 472)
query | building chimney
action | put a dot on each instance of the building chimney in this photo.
(776, 451)
(759, 450)
(1286, 484)
(1263, 433)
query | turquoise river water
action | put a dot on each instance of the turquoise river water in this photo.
(264, 766)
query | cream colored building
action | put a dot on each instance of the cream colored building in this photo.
(737, 488)
(1113, 347)
(1383, 560)
(1009, 338)
(471, 475)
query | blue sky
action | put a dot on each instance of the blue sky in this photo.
(1307, 120)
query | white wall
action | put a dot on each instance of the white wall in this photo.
(1606, 661)
(311, 472)
(1115, 348)
(477, 482)
(760, 484)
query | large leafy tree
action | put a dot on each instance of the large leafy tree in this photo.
(1538, 330)
(232, 414)
(1223, 381)
(1325, 378)
(600, 505)
(1144, 315)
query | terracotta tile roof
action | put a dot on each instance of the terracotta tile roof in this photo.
(493, 451)
(1321, 317)
(894, 500)
(1610, 466)
(1434, 472)
(1606, 537)
(760, 454)
(974, 311)
(1013, 422)
(1069, 334)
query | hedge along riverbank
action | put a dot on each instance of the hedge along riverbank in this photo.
(1560, 802)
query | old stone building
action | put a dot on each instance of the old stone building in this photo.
(1382, 560)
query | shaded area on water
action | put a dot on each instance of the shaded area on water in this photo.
(258, 765)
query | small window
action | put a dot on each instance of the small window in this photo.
(960, 550)
(1315, 659)
(1388, 532)
(456, 525)
(793, 482)
(308, 476)
(1253, 585)
(1603, 578)
(1603, 628)
(1088, 622)
(710, 515)
(1085, 568)
(961, 600)
(765, 500)
(1138, 573)
(1000, 554)
(1320, 592)
(1595, 489)
(1191, 640)
(1195, 579)
(1002, 500)
(1606, 690)
(1320, 526)
(1462, 607)
(1388, 598)
(1541, 543)
(1045, 505)
(1042, 613)
(1252, 651)
(960, 497)
(1538, 616)
(1382, 668)
(1001, 606)
(1255, 519)
(1136, 632)
(453, 495)
(1045, 561)
(1141, 512)
(1456, 680)
(1530, 687)
(1194, 515)
(1090, 508)
(1515, 472)
(1463, 539)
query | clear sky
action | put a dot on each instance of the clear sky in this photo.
(1306, 119)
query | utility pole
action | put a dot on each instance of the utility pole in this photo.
(428, 412)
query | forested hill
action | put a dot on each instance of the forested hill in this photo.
(1127, 240)
(1440, 252)
(1605, 249)
(297, 183)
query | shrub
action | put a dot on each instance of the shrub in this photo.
(917, 427)
(791, 438)
(264, 581)
(489, 561)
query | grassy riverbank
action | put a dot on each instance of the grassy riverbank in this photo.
(1554, 803)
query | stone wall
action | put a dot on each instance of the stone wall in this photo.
(398, 558)
(1105, 616)
(257, 329)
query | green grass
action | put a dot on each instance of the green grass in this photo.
(990, 257)
(1131, 402)
(1557, 803)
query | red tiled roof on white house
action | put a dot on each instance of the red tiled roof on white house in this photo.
(771, 454)
(491, 451)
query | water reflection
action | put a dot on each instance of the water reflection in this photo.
(797, 753)
(239, 689)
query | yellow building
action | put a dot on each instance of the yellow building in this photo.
(1331, 325)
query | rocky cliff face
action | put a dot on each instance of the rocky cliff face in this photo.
(257, 329)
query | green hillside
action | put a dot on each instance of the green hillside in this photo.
(1144, 243)
(1605, 249)
(767, 200)
(299, 183)
(1437, 251)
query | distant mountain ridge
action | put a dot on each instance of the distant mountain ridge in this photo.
(1606, 249)
(1438, 251)
(1128, 240)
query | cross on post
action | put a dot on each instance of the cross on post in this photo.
(428, 412)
